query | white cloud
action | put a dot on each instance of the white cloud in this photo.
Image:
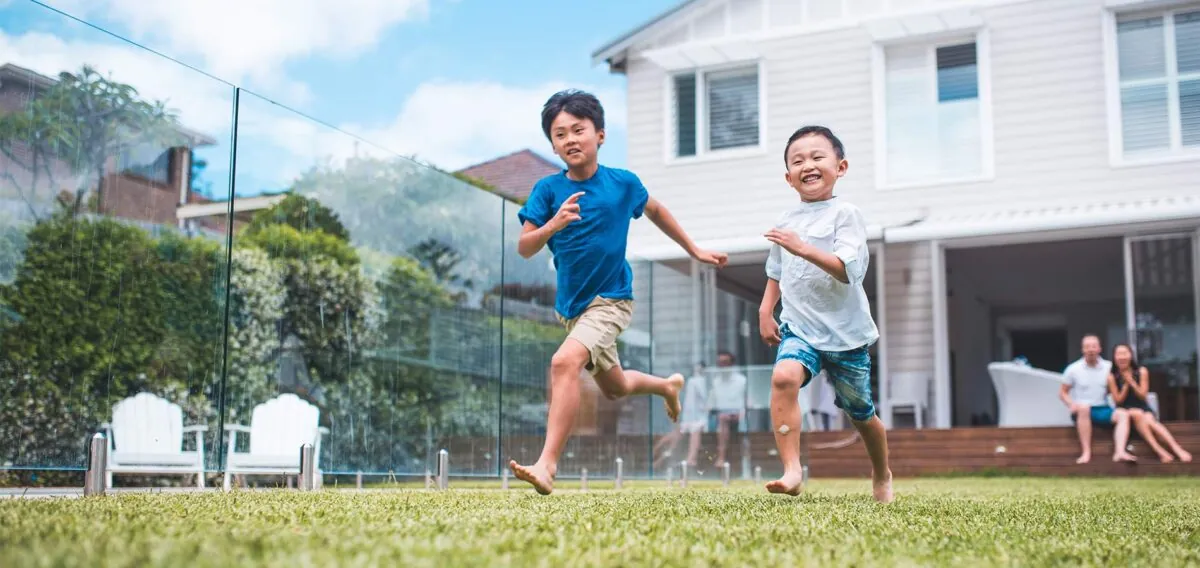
(240, 39)
(445, 123)
(202, 103)
(454, 124)
(448, 124)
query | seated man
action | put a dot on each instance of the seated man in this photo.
(1084, 394)
(729, 401)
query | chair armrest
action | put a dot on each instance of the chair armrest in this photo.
(195, 428)
(237, 428)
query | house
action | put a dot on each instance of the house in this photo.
(145, 184)
(1030, 171)
(513, 175)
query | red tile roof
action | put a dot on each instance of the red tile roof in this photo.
(513, 175)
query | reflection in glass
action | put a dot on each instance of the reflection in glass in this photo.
(111, 312)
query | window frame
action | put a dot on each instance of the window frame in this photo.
(1176, 151)
(931, 43)
(703, 153)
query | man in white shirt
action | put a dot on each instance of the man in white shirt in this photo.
(728, 399)
(693, 421)
(1084, 394)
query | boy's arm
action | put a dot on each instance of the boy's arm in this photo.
(662, 218)
(847, 262)
(768, 329)
(826, 261)
(533, 237)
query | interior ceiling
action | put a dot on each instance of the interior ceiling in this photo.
(1035, 274)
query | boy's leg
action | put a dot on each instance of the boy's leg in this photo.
(616, 383)
(786, 380)
(850, 374)
(599, 328)
(565, 369)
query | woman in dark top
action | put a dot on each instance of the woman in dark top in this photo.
(1129, 385)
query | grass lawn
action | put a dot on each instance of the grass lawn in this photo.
(960, 522)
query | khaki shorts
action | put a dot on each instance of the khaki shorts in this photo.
(597, 329)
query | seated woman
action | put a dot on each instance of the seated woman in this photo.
(1129, 385)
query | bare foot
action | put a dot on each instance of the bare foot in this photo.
(537, 475)
(1184, 456)
(1166, 457)
(1084, 459)
(672, 401)
(883, 489)
(1124, 457)
(790, 484)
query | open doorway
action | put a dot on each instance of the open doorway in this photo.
(1034, 300)
(1043, 348)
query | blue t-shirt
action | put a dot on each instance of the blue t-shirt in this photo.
(589, 254)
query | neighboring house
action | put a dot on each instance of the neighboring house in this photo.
(513, 175)
(1030, 172)
(146, 182)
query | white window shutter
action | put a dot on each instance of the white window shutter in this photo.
(1141, 50)
(732, 103)
(910, 111)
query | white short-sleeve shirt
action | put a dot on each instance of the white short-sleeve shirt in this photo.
(827, 314)
(1089, 384)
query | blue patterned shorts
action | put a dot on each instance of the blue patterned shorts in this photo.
(849, 372)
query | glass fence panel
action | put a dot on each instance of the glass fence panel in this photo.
(111, 300)
(365, 306)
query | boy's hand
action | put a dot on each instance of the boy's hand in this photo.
(769, 331)
(717, 259)
(568, 213)
(786, 239)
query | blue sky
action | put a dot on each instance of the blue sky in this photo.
(454, 82)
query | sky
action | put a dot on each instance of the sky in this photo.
(451, 82)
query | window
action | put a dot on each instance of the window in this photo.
(933, 113)
(147, 160)
(715, 111)
(1158, 62)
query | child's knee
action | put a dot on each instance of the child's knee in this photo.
(568, 361)
(788, 377)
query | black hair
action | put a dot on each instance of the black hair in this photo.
(814, 130)
(732, 358)
(1133, 362)
(576, 103)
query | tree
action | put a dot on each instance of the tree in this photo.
(81, 123)
(301, 213)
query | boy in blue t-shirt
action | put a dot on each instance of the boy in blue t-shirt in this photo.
(583, 215)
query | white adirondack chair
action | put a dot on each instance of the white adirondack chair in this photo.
(278, 428)
(146, 436)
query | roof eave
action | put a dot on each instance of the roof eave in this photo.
(614, 52)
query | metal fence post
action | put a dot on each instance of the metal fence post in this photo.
(443, 479)
(620, 473)
(307, 468)
(94, 479)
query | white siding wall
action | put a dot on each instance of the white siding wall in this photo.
(1051, 140)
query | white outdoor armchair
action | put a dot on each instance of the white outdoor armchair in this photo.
(278, 428)
(146, 437)
(1028, 396)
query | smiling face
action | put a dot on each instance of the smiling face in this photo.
(813, 167)
(576, 140)
(1091, 349)
(1122, 356)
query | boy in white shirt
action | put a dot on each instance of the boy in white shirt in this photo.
(817, 263)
